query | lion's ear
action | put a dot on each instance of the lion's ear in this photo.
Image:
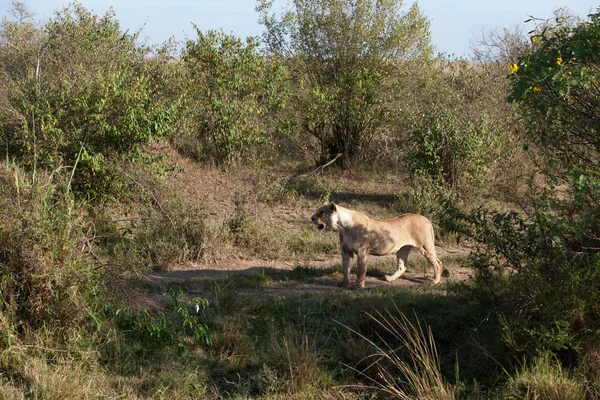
(332, 207)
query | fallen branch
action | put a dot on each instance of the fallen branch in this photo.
(319, 168)
(153, 197)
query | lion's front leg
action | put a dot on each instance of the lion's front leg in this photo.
(346, 258)
(361, 271)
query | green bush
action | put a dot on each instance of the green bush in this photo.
(76, 85)
(534, 272)
(542, 268)
(459, 131)
(557, 88)
(168, 327)
(450, 151)
(343, 56)
(235, 93)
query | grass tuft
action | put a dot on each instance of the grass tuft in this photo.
(406, 367)
(544, 379)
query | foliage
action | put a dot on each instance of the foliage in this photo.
(46, 277)
(76, 85)
(556, 85)
(460, 131)
(538, 272)
(542, 267)
(235, 90)
(166, 327)
(342, 55)
(449, 151)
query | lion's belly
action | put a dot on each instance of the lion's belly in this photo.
(382, 245)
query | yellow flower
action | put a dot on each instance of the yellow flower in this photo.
(513, 68)
(559, 60)
(537, 89)
(534, 39)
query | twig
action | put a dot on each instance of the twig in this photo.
(319, 168)
(153, 197)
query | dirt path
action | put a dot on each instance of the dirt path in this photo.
(319, 284)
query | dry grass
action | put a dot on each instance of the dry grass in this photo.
(65, 381)
(416, 375)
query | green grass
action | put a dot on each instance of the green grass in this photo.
(545, 378)
(300, 346)
(309, 342)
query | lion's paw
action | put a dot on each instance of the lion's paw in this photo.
(356, 286)
(388, 278)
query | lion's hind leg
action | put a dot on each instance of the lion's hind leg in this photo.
(437, 264)
(401, 259)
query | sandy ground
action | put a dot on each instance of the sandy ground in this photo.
(413, 276)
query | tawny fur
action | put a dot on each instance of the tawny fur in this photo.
(363, 236)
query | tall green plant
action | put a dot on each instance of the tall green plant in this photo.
(342, 54)
(543, 267)
(459, 132)
(557, 87)
(236, 92)
(450, 151)
(76, 82)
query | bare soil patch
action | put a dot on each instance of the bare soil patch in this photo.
(414, 275)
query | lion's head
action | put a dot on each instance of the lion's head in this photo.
(326, 218)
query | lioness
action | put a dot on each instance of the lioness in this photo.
(362, 236)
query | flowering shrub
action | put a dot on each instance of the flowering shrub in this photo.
(543, 267)
(557, 86)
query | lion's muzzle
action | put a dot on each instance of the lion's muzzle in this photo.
(320, 225)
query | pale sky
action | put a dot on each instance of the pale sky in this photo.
(454, 23)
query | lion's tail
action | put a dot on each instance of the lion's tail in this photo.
(445, 272)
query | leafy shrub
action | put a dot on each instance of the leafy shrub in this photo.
(46, 275)
(343, 56)
(556, 84)
(83, 88)
(166, 328)
(235, 92)
(537, 273)
(449, 151)
(425, 196)
(460, 130)
(541, 268)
